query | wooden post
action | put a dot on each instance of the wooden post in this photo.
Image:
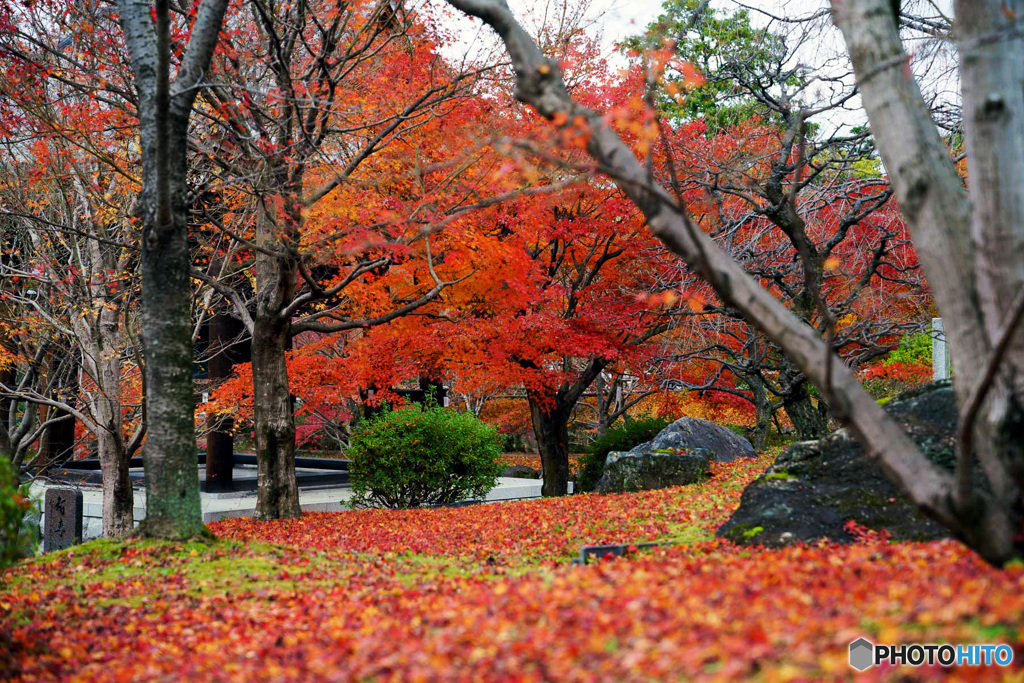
(220, 443)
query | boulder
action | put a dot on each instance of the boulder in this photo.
(641, 471)
(815, 487)
(520, 472)
(722, 444)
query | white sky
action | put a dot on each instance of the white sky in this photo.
(618, 19)
(614, 20)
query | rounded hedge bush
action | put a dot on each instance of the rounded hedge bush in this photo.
(423, 456)
(621, 438)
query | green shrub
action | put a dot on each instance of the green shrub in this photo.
(914, 349)
(629, 435)
(423, 456)
(14, 505)
(906, 367)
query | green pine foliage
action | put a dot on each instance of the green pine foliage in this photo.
(721, 46)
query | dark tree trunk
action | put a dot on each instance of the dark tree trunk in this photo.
(810, 421)
(762, 408)
(277, 491)
(433, 390)
(220, 443)
(118, 497)
(550, 414)
(220, 455)
(173, 509)
(172, 478)
(551, 427)
(6, 378)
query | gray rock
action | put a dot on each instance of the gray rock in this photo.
(815, 487)
(722, 444)
(642, 471)
(520, 472)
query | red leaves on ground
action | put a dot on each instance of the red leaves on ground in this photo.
(511, 533)
(708, 611)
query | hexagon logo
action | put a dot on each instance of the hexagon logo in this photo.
(862, 654)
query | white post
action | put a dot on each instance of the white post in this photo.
(940, 353)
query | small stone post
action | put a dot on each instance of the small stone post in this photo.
(62, 525)
(940, 352)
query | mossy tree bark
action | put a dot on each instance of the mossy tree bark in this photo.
(809, 420)
(274, 417)
(762, 409)
(164, 107)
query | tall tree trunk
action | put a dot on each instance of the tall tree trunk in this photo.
(7, 379)
(173, 508)
(118, 497)
(103, 365)
(551, 427)
(277, 493)
(172, 477)
(98, 332)
(762, 410)
(993, 106)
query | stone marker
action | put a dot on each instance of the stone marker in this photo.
(62, 524)
(940, 351)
